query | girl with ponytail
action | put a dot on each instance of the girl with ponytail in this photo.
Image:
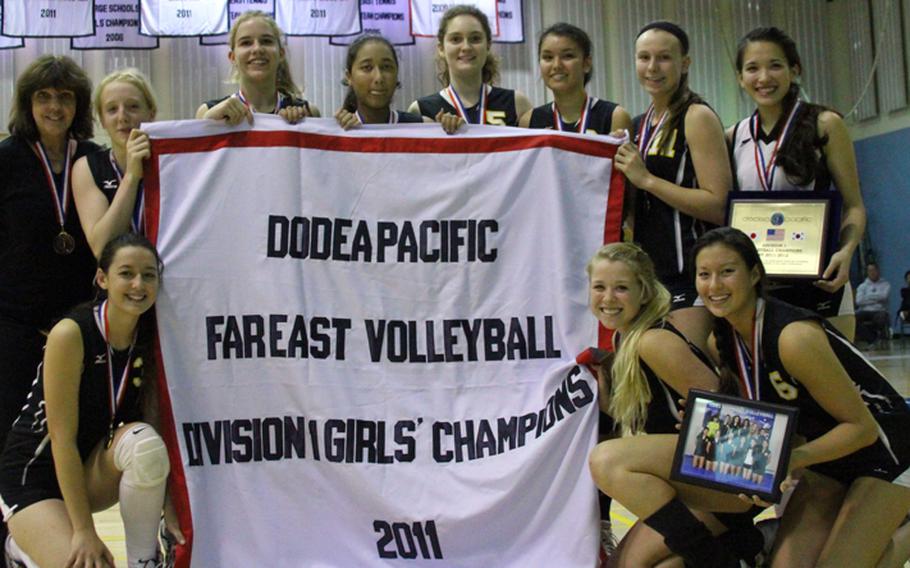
(260, 66)
(653, 366)
(677, 167)
(804, 147)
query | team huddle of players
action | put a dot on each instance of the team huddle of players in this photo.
(689, 305)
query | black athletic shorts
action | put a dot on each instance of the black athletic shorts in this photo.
(877, 460)
(41, 484)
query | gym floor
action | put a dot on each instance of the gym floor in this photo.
(893, 361)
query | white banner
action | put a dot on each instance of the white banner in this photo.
(368, 341)
(178, 18)
(318, 17)
(8, 42)
(511, 21)
(116, 27)
(235, 8)
(426, 14)
(389, 18)
(47, 18)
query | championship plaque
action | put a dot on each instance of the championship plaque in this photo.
(792, 231)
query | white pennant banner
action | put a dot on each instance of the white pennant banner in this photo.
(8, 42)
(178, 18)
(511, 21)
(47, 18)
(368, 341)
(116, 27)
(235, 9)
(426, 14)
(389, 18)
(318, 17)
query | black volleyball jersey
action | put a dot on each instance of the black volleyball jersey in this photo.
(777, 386)
(29, 442)
(743, 157)
(283, 102)
(662, 411)
(665, 233)
(500, 107)
(408, 117)
(103, 172)
(600, 120)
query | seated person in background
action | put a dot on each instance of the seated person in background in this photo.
(872, 306)
(905, 298)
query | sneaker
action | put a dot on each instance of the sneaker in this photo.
(169, 544)
(607, 540)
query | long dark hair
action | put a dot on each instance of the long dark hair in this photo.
(799, 155)
(350, 98)
(574, 33)
(51, 72)
(741, 244)
(146, 329)
(683, 97)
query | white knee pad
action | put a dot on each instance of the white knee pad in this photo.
(142, 456)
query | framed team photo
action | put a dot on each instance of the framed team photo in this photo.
(734, 445)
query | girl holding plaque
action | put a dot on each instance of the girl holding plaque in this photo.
(107, 185)
(46, 265)
(854, 489)
(677, 167)
(564, 57)
(81, 443)
(653, 367)
(467, 70)
(371, 75)
(792, 145)
(259, 63)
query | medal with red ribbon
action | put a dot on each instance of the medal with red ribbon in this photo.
(116, 389)
(582, 125)
(647, 131)
(749, 367)
(455, 100)
(247, 104)
(766, 170)
(64, 243)
(137, 222)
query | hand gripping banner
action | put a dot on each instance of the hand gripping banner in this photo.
(367, 341)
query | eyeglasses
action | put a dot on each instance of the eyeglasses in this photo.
(46, 97)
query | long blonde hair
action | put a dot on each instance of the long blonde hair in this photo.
(630, 394)
(283, 81)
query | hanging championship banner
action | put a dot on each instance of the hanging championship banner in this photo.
(426, 14)
(389, 18)
(8, 42)
(235, 8)
(116, 27)
(48, 18)
(383, 358)
(318, 17)
(511, 21)
(178, 18)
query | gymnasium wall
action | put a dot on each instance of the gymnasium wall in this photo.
(838, 41)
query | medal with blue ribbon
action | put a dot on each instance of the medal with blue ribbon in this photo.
(64, 243)
(455, 100)
(766, 170)
(116, 389)
(582, 125)
(749, 367)
(137, 221)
